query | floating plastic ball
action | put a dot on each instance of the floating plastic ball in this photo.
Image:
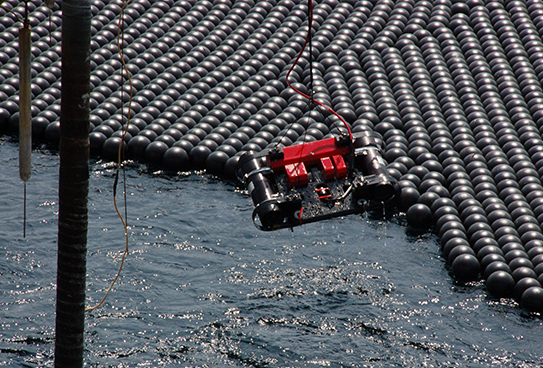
(52, 132)
(4, 118)
(198, 156)
(231, 167)
(96, 141)
(408, 197)
(137, 146)
(419, 216)
(532, 299)
(500, 284)
(176, 158)
(216, 161)
(39, 124)
(155, 152)
(111, 147)
(466, 267)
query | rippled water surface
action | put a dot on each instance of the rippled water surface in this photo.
(203, 288)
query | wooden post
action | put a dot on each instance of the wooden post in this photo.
(73, 183)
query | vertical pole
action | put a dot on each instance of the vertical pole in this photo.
(25, 114)
(25, 95)
(73, 183)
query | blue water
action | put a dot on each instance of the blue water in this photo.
(202, 287)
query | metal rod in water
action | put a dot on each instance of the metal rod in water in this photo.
(24, 211)
(25, 115)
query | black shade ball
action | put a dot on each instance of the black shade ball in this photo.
(466, 267)
(500, 283)
(96, 140)
(110, 149)
(198, 156)
(155, 152)
(52, 132)
(408, 197)
(231, 167)
(532, 299)
(39, 124)
(216, 161)
(419, 216)
(176, 158)
(137, 146)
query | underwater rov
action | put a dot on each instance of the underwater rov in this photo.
(318, 180)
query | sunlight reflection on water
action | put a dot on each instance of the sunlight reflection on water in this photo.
(203, 287)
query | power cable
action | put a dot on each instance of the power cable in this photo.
(120, 164)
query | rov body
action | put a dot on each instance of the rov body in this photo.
(313, 181)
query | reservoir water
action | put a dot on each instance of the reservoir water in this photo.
(202, 287)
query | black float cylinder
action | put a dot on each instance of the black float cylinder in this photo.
(253, 172)
(369, 160)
